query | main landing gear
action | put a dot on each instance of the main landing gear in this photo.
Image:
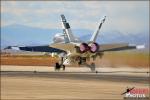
(58, 66)
(82, 61)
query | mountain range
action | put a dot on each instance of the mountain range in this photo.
(14, 35)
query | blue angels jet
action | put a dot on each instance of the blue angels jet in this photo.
(74, 50)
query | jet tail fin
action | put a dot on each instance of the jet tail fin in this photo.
(94, 36)
(69, 37)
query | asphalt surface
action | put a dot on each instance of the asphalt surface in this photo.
(105, 76)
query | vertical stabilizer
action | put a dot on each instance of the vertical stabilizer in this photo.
(94, 36)
(69, 37)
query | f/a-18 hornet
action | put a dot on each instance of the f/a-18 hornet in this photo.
(73, 50)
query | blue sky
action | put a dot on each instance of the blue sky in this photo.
(124, 16)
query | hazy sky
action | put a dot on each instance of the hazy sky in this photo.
(124, 16)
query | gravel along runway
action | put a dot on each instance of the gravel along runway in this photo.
(70, 85)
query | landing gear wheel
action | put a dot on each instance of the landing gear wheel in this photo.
(92, 67)
(57, 67)
(63, 67)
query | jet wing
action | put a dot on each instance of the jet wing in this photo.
(64, 46)
(102, 48)
(118, 47)
(44, 48)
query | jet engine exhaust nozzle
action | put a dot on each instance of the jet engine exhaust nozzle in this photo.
(83, 47)
(94, 47)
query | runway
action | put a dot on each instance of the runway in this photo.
(99, 76)
(39, 84)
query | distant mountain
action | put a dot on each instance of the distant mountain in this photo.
(116, 36)
(25, 35)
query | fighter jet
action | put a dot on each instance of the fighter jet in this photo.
(73, 50)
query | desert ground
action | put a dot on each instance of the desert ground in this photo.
(57, 88)
(33, 77)
(36, 82)
(112, 59)
(61, 85)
